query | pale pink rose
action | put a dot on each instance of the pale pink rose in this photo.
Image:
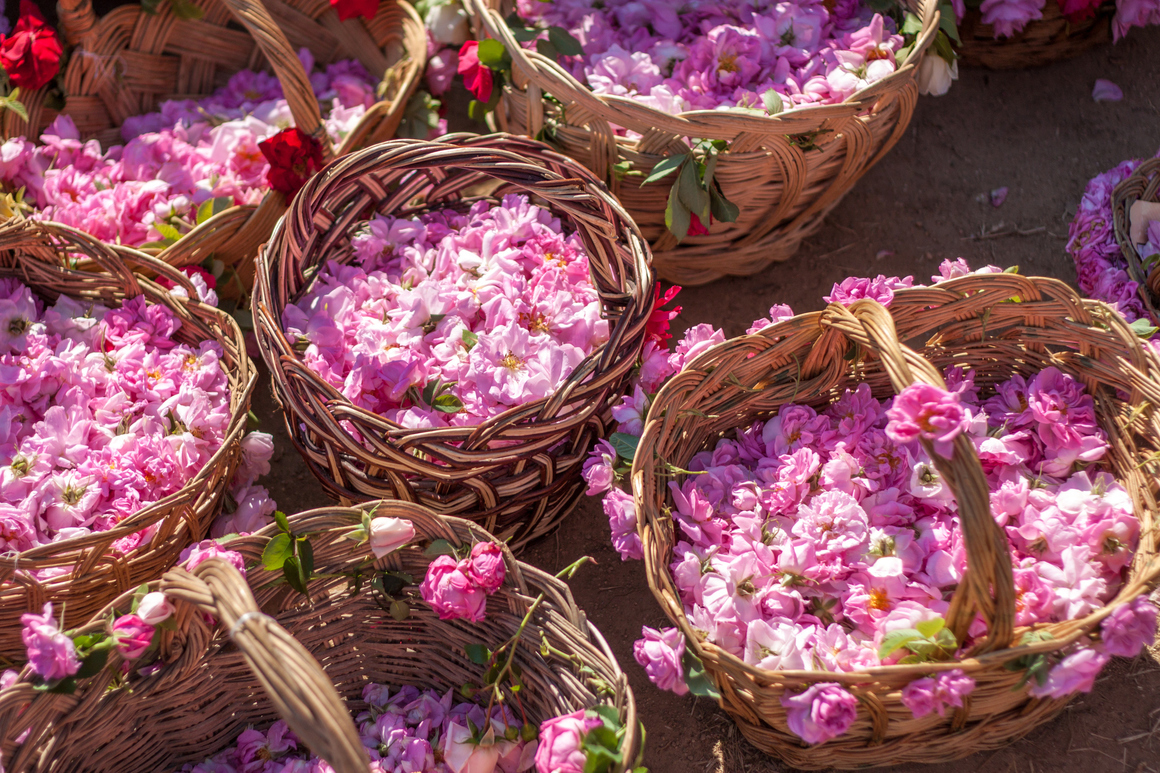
(51, 654)
(659, 653)
(154, 608)
(389, 534)
(1129, 628)
(1075, 673)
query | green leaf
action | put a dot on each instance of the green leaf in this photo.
(477, 654)
(477, 111)
(469, 339)
(92, 665)
(446, 403)
(942, 47)
(439, 547)
(306, 557)
(392, 583)
(564, 42)
(664, 168)
(692, 193)
(911, 25)
(545, 49)
(946, 22)
(183, 9)
(10, 103)
(722, 208)
(625, 445)
(1142, 328)
(772, 101)
(604, 737)
(399, 610)
(610, 715)
(138, 594)
(65, 686)
(295, 577)
(282, 521)
(677, 218)
(492, 54)
(695, 677)
(929, 628)
(277, 550)
(515, 23)
(168, 232)
(213, 206)
(896, 639)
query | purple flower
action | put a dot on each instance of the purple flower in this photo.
(824, 711)
(194, 555)
(925, 411)
(1129, 628)
(1009, 17)
(880, 289)
(659, 653)
(51, 654)
(922, 696)
(1075, 673)
(621, 511)
(599, 470)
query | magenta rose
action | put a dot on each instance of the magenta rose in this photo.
(925, 411)
(50, 653)
(560, 743)
(1075, 673)
(194, 555)
(820, 713)
(922, 696)
(1129, 628)
(659, 653)
(485, 567)
(133, 636)
(451, 593)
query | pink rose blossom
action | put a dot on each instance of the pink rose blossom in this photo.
(451, 593)
(1129, 628)
(486, 566)
(822, 712)
(922, 696)
(51, 654)
(133, 636)
(1075, 673)
(925, 411)
(560, 740)
(659, 653)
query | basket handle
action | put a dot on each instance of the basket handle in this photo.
(294, 680)
(77, 19)
(987, 586)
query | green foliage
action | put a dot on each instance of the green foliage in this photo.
(928, 641)
(696, 678)
(625, 445)
(1034, 666)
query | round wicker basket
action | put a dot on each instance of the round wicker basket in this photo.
(518, 473)
(41, 256)
(786, 172)
(300, 659)
(970, 321)
(129, 61)
(1141, 185)
(1043, 41)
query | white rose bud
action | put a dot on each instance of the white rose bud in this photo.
(935, 75)
(388, 534)
(447, 23)
(154, 608)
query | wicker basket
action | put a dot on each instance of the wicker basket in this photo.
(255, 667)
(39, 254)
(971, 322)
(1043, 41)
(1141, 185)
(786, 171)
(129, 61)
(517, 473)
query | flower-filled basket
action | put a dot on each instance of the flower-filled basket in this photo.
(1050, 37)
(918, 581)
(1136, 213)
(451, 323)
(731, 176)
(199, 94)
(122, 411)
(242, 651)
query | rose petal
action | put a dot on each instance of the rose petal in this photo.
(1106, 91)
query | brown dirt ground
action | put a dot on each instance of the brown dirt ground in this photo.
(1037, 132)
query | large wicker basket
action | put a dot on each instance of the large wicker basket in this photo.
(998, 324)
(300, 658)
(518, 473)
(1043, 41)
(1141, 185)
(786, 172)
(41, 255)
(129, 61)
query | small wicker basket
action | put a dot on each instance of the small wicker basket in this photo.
(41, 255)
(518, 473)
(300, 659)
(971, 322)
(786, 172)
(129, 61)
(1141, 185)
(1043, 41)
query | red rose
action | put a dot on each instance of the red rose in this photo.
(1076, 11)
(696, 227)
(31, 54)
(293, 156)
(349, 9)
(657, 327)
(476, 77)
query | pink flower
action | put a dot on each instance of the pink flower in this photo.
(1075, 673)
(880, 289)
(133, 636)
(1129, 628)
(925, 411)
(1009, 17)
(389, 534)
(833, 522)
(822, 712)
(621, 511)
(697, 340)
(922, 696)
(451, 593)
(560, 743)
(1134, 13)
(257, 450)
(194, 555)
(599, 468)
(51, 654)
(476, 76)
(657, 328)
(486, 566)
(154, 608)
(659, 653)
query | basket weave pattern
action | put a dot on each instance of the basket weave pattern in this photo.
(969, 322)
(39, 255)
(786, 172)
(518, 473)
(254, 668)
(129, 61)
(1141, 185)
(1043, 41)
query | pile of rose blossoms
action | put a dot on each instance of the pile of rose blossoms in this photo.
(191, 151)
(101, 414)
(1100, 266)
(806, 539)
(704, 55)
(451, 318)
(1009, 17)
